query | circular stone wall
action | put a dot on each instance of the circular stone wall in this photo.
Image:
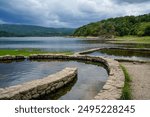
(112, 90)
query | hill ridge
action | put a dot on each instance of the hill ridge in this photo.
(119, 26)
(31, 30)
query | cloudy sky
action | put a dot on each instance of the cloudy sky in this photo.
(67, 13)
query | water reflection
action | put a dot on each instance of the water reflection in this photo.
(123, 54)
(90, 80)
(57, 94)
(60, 43)
(51, 43)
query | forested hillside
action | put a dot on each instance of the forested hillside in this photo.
(121, 26)
(7, 30)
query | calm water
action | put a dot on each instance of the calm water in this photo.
(123, 54)
(52, 43)
(59, 43)
(90, 78)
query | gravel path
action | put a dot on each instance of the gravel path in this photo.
(140, 73)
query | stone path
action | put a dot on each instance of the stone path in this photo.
(140, 73)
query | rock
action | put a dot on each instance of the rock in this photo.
(35, 88)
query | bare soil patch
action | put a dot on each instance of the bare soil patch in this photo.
(140, 85)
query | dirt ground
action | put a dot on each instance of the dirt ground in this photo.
(140, 73)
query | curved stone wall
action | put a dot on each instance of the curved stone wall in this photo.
(37, 88)
(8, 57)
(113, 87)
(112, 90)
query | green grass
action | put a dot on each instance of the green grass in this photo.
(133, 39)
(64, 52)
(126, 92)
(28, 52)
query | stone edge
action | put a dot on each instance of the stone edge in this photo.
(36, 88)
(112, 90)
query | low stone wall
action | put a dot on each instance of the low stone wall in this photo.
(71, 57)
(133, 61)
(112, 48)
(111, 90)
(87, 51)
(37, 88)
(130, 49)
(9, 57)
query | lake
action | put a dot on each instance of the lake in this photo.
(91, 78)
(57, 43)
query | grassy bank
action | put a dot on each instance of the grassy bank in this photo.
(126, 92)
(133, 39)
(28, 52)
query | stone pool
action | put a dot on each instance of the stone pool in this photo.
(91, 78)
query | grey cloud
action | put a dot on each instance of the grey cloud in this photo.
(71, 13)
(134, 1)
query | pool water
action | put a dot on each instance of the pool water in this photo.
(123, 54)
(88, 83)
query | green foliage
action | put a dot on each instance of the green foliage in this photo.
(24, 52)
(126, 92)
(28, 52)
(121, 26)
(7, 30)
(133, 39)
(143, 29)
(4, 34)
